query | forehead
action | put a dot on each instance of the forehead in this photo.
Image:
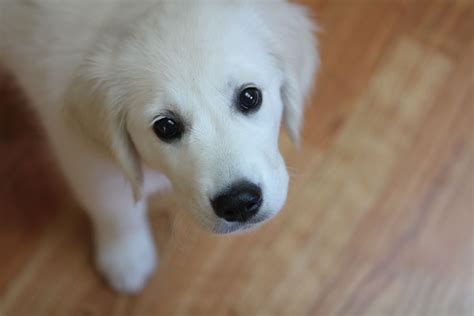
(203, 52)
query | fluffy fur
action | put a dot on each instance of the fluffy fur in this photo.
(99, 72)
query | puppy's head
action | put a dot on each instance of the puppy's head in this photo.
(198, 92)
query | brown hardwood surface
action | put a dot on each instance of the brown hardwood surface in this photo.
(379, 219)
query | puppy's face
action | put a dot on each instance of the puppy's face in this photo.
(203, 91)
(212, 122)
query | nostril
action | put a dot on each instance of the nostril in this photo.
(254, 205)
(253, 201)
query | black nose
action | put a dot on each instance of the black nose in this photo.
(238, 203)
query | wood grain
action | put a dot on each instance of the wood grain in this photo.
(379, 219)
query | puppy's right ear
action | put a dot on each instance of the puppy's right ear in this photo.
(94, 109)
(293, 43)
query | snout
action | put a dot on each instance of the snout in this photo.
(238, 203)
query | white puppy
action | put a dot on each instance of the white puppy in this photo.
(133, 93)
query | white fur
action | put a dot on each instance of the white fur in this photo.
(100, 72)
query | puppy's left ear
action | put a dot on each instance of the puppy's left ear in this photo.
(294, 44)
(93, 109)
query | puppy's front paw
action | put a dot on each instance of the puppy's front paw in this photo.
(127, 262)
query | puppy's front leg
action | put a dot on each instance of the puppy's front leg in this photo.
(124, 249)
(125, 253)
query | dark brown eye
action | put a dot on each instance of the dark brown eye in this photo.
(250, 99)
(168, 129)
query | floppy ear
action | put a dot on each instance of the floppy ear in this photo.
(97, 111)
(295, 47)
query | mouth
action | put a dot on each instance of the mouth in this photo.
(223, 227)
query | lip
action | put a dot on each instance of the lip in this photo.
(223, 227)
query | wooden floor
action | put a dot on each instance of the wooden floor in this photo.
(380, 214)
